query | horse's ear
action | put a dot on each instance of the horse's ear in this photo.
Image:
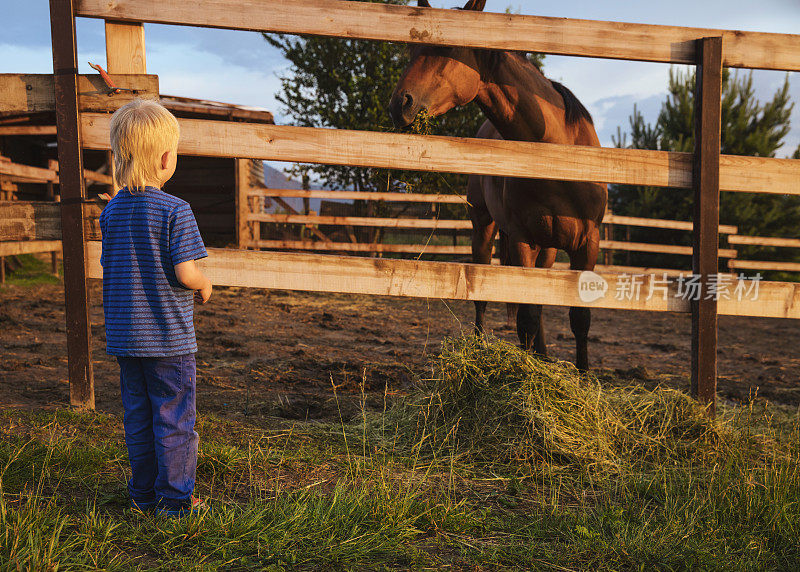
(476, 5)
(423, 4)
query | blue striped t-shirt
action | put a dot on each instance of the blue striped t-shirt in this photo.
(148, 312)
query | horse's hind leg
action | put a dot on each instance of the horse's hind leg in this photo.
(580, 318)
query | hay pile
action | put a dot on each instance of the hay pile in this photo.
(491, 401)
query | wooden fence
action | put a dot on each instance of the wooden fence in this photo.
(704, 170)
(252, 237)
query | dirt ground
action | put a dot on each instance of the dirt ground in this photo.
(267, 354)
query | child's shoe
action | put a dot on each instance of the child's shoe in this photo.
(145, 506)
(197, 506)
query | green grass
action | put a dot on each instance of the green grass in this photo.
(33, 271)
(497, 461)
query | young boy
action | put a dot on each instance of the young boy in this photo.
(150, 243)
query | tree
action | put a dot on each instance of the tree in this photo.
(748, 128)
(347, 84)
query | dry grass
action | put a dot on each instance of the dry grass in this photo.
(492, 402)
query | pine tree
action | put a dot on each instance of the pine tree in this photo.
(749, 127)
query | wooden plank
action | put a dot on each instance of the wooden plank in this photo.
(410, 278)
(361, 196)
(125, 51)
(759, 175)
(462, 199)
(93, 176)
(775, 300)
(361, 221)
(764, 265)
(29, 247)
(418, 152)
(41, 220)
(661, 223)
(8, 189)
(33, 93)
(409, 24)
(17, 170)
(457, 155)
(764, 241)
(17, 130)
(635, 270)
(26, 173)
(450, 280)
(705, 262)
(76, 293)
(362, 247)
(661, 248)
(449, 249)
(315, 231)
(27, 220)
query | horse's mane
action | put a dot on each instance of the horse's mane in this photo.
(574, 110)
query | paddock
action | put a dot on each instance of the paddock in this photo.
(706, 171)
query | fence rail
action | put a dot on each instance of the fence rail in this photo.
(459, 199)
(453, 281)
(572, 37)
(462, 155)
(17, 247)
(457, 250)
(327, 245)
(765, 241)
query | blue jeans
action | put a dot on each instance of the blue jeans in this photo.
(158, 395)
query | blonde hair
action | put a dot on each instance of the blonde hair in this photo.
(141, 131)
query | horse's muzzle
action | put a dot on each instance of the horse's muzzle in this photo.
(403, 108)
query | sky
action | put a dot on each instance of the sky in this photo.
(240, 67)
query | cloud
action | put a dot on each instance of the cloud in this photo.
(186, 70)
(595, 79)
(613, 112)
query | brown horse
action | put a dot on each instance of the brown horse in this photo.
(536, 216)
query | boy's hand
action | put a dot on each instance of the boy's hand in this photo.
(202, 295)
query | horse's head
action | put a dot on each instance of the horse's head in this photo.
(437, 79)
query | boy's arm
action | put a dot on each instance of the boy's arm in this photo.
(189, 275)
(186, 246)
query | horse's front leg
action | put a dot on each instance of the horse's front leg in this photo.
(483, 232)
(545, 259)
(580, 318)
(502, 254)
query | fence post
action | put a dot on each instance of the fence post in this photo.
(125, 52)
(244, 237)
(73, 192)
(705, 258)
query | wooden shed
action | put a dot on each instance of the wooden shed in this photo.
(29, 166)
